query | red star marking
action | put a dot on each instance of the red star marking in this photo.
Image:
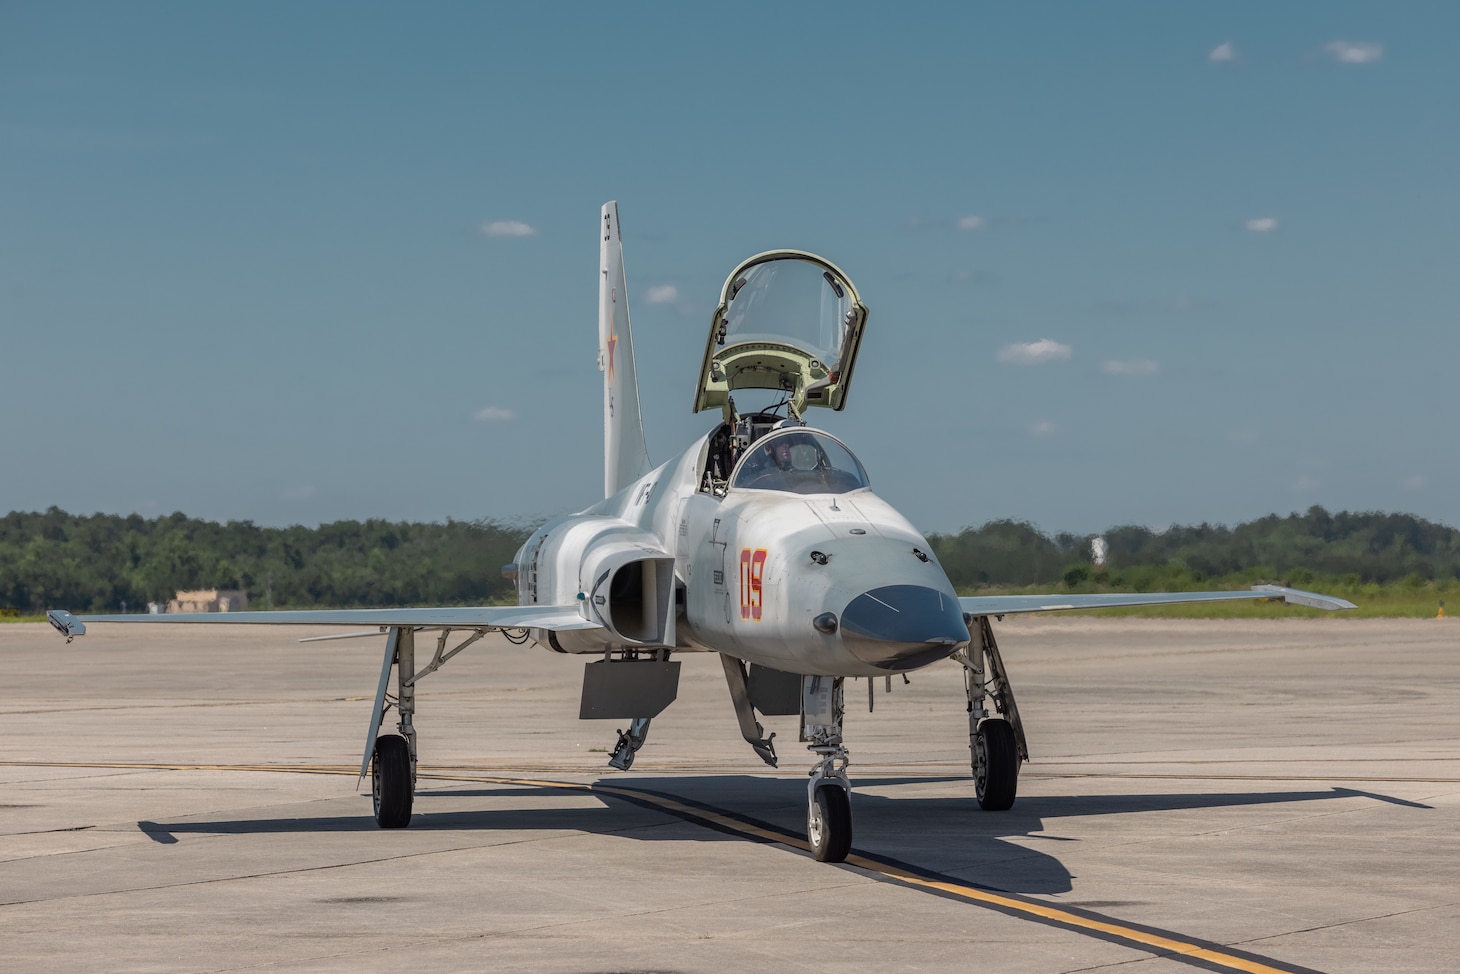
(612, 341)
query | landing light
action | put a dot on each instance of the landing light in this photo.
(826, 622)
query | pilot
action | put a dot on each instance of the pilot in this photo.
(781, 452)
(773, 464)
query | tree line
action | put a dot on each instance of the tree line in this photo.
(1355, 548)
(102, 562)
(99, 562)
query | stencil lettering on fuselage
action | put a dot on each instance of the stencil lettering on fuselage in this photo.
(752, 592)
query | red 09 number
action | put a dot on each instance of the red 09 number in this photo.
(752, 594)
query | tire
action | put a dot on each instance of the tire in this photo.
(829, 824)
(390, 782)
(995, 765)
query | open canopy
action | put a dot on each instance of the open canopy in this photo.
(787, 320)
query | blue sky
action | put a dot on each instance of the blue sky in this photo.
(1127, 262)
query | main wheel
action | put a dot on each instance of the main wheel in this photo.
(390, 782)
(995, 765)
(829, 823)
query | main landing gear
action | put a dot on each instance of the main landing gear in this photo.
(391, 782)
(828, 793)
(996, 743)
(391, 758)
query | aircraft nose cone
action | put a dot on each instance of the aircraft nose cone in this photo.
(902, 627)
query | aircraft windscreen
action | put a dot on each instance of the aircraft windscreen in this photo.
(802, 462)
(790, 302)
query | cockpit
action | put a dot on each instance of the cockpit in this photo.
(801, 461)
(787, 328)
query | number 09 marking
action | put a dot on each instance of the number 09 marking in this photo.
(752, 592)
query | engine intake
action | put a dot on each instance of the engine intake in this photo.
(633, 596)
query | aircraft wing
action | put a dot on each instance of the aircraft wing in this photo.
(998, 605)
(555, 617)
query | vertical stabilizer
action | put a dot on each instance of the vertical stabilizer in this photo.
(625, 457)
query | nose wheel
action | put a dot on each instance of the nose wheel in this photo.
(829, 806)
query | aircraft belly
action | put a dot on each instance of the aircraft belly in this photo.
(831, 659)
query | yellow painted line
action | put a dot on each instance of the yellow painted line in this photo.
(1239, 777)
(1153, 940)
(1065, 918)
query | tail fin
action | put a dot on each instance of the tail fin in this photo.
(625, 457)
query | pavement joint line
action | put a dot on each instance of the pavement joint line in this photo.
(504, 934)
(247, 876)
(880, 770)
(1160, 943)
(1345, 923)
(1111, 965)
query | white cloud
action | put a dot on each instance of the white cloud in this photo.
(1305, 484)
(1135, 366)
(1045, 427)
(1262, 224)
(972, 222)
(509, 228)
(662, 294)
(298, 493)
(1034, 353)
(1354, 52)
(493, 414)
(1223, 53)
(1414, 483)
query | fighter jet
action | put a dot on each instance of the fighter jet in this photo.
(763, 542)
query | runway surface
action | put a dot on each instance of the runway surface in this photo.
(1242, 795)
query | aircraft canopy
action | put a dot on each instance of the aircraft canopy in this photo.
(787, 320)
(802, 461)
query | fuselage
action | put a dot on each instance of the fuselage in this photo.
(800, 567)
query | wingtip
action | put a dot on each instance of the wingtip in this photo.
(1295, 596)
(66, 624)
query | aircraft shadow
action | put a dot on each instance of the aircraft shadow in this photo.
(942, 834)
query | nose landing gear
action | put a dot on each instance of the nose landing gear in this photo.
(828, 793)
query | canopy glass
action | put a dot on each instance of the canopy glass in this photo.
(787, 320)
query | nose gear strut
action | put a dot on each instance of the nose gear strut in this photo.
(828, 792)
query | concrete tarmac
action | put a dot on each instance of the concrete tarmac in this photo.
(1227, 795)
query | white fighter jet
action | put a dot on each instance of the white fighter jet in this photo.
(763, 542)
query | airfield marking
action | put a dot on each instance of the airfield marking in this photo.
(1159, 943)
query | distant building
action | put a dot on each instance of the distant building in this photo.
(210, 600)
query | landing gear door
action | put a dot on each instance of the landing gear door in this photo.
(787, 320)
